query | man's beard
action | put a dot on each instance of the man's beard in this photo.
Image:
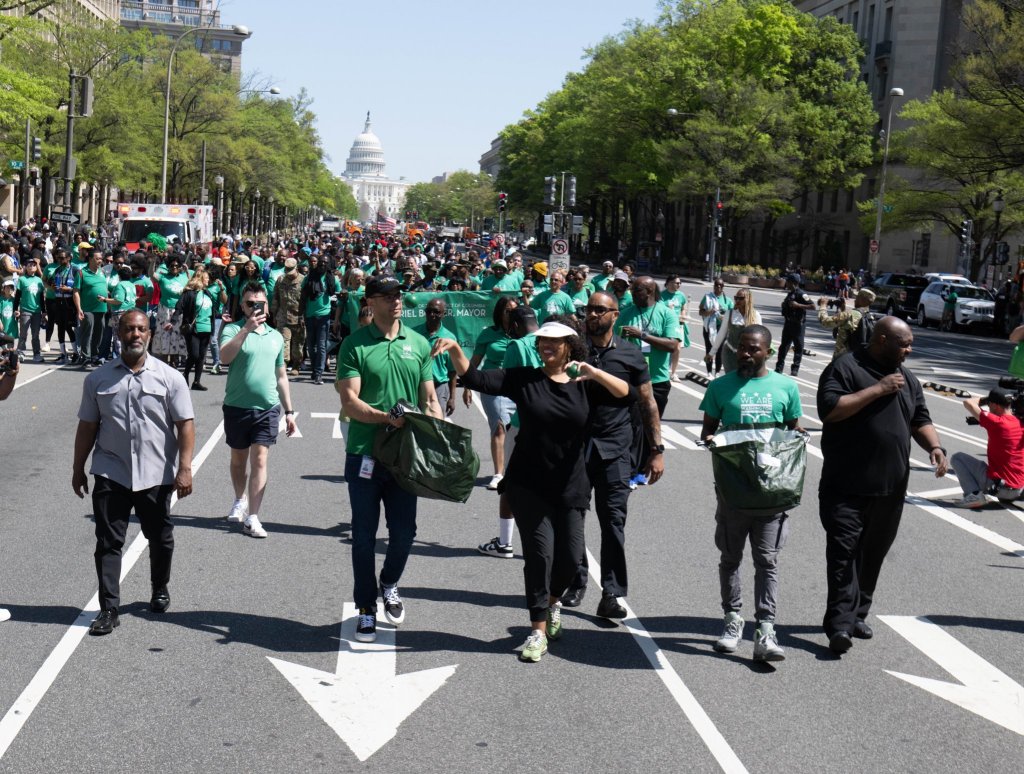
(747, 370)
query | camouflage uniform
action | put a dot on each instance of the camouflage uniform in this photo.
(845, 324)
(286, 307)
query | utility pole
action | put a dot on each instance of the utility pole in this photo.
(715, 227)
(202, 190)
(23, 208)
(69, 161)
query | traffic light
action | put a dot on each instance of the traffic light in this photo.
(965, 230)
(1002, 253)
(502, 198)
(570, 194)
(37, 148)
(33, 177)
(550, 184)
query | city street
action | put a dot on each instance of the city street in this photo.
(252, 669)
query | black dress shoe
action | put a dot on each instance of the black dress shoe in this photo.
(609, 607)
(840, 642)
(105, 622)
(161, 600)
(862, 631)
(573, 597)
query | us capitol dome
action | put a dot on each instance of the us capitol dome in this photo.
(364, 172)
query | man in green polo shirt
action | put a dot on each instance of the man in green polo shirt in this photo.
(443, 372)
(256, 389)
(90, 288)
(378, 365)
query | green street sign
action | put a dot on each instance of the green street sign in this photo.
(16, 164)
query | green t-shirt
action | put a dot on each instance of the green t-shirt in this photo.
(204, 312)
(522, 353)
(601, 281)
(388, 371)
(674, 301)
(508, 282)
(580, 299)
(660, 321)
(91, 286)
(124, 292)
(318, 306)
(736, 400)
(32, 293)
(442, 364)
(949, 303)
(275, 274)
(171, 289)
(550, 303)
(48, 271)
(8, 322)
(490, 346)
(252, 377)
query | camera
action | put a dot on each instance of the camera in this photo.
(1015, 388)
(10, 360)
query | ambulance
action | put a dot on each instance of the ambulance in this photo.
(184, 223)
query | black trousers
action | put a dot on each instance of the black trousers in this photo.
(553, 544)
(858, 534)
(112, 504)
(610, 479)
(707, 349)
(792, 336)
(195, 347)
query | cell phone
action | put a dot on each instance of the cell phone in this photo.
(259, 307)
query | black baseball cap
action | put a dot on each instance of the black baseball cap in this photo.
(382, 286)
(1000, 397)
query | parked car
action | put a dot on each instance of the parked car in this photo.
(974, 306)
(955, 279)
(898, 294)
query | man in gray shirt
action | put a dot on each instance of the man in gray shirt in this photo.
(136, 418)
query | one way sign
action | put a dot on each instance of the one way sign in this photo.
(65, 217)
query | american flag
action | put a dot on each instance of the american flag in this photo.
(385, 225)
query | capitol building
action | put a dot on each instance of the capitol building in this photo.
(364, 172)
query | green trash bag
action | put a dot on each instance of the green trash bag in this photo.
(760, 469)
(429, 457)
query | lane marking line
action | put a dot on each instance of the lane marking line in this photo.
(40, 683)
(702, 724)
(966, 525)
(47, 372)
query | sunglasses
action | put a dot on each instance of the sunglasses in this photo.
(598, 310)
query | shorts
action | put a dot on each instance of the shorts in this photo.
(498, 409)
(248, 427)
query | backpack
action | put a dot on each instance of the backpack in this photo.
(861, 335)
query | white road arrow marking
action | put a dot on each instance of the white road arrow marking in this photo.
(364, 701)
(982, 689)
(336, 431)
(282, 426)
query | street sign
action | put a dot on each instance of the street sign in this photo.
(558, 263)
(65, 217)
(559, 247)
(15, 164)
(874, 246)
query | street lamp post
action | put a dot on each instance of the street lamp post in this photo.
(893, 93)
(241, 208)
(997, 207)
(219, 182)
(255, 209)
(270, 221)
(239, 29)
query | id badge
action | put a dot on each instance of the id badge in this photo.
(366, 468)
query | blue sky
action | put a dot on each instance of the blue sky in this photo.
(441, 79)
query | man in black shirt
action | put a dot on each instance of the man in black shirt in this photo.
(871, 407)
(795, 306)
(608, 456)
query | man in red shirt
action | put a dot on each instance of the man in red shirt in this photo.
(1005, 467)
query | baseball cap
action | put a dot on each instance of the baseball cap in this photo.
(382, 286)
(1000, 397)
(8, 283)
(499, 264)
(521, 314)
(554, 330)
(541, 267)
(84, 246)
(866, 296)
(290, 263)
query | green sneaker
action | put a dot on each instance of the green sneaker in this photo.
(536, 645)
(555, 621)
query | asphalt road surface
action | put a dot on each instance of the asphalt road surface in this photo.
(252, 669)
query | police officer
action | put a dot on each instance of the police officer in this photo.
(795, 306)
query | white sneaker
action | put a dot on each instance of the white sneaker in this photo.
(732, 634)
(239, 511)
(766, 644)
(253, 528)
(46, 346)
(495, 480)
(5, 614)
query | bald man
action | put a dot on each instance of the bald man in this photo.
(871, 406)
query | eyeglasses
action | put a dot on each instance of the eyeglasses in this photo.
(598, 310)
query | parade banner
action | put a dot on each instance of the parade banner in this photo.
(469, 312)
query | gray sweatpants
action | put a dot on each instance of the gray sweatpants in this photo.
(767, 535)
(972, 472)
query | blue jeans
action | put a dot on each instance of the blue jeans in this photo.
(218, 323)
(316, 341)
(365, 497)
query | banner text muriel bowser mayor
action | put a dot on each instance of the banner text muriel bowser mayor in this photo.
(469, 312)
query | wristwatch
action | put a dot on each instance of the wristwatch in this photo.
(289, 413)
(941, 449)
(660, 448)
